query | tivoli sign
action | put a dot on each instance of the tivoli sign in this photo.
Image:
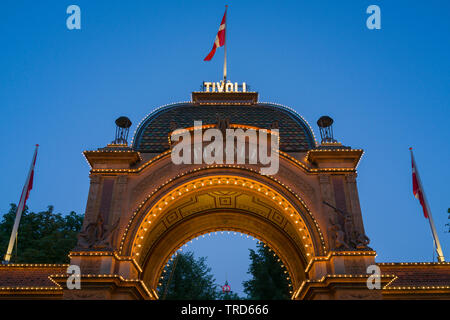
(223, 86)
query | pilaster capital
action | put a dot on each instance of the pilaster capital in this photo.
(324, 178)
(351, 177)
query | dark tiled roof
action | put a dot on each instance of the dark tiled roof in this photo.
(418, 275)
(14, 276)
(152, 134)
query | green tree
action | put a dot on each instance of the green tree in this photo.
(43, 237)
(268, 280)
(191, 279)
(228, 296)
(448, 224)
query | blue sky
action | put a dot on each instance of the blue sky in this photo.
(386, 89)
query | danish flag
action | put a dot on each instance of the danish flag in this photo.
(417, 186)
(420, 195)
(220, 37)
(23, 200)
(29, 184)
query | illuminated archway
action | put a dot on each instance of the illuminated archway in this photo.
(183, 210)
(227, 232)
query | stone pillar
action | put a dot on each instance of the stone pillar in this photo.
(327, 195)
(106, 200)
(341, 273)
(93, 200)
(354, 204)
(104, 274)
(346, 231)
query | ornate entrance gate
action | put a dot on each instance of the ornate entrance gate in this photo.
(142, 207)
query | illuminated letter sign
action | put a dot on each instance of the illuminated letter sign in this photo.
(224, 87)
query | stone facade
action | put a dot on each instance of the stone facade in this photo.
(142, 207)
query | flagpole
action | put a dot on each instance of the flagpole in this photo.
(433, 229)
(20, 210)
(225, 49)
(430, 217)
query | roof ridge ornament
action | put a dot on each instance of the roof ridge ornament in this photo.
(123, 125)
(325, 124)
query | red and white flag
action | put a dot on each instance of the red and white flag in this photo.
(23, 200)
(220, 38)
(29, 184)
(419, 193)
(417, 186)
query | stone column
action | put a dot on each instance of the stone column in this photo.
(93, 200)
(119, 203)
(327, 195)
(355, 207)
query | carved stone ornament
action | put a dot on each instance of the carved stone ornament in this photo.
(361, 241)
(337, 236)
(346, 238)
(98, 236)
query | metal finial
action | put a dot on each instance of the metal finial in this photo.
(123, 125)
(325, 124)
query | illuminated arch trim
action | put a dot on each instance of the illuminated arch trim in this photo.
(166, 154)
(141, 205)
(278, 201)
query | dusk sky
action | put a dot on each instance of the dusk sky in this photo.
(387, 90)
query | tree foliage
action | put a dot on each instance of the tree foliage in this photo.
(268, 280)
(448, 224)
(43, 237)
(191, 280)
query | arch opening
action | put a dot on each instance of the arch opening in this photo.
(211, 245)
(215, 221)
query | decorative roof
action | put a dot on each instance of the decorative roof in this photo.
(29, 276)
(415, 275)
(153, 132)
